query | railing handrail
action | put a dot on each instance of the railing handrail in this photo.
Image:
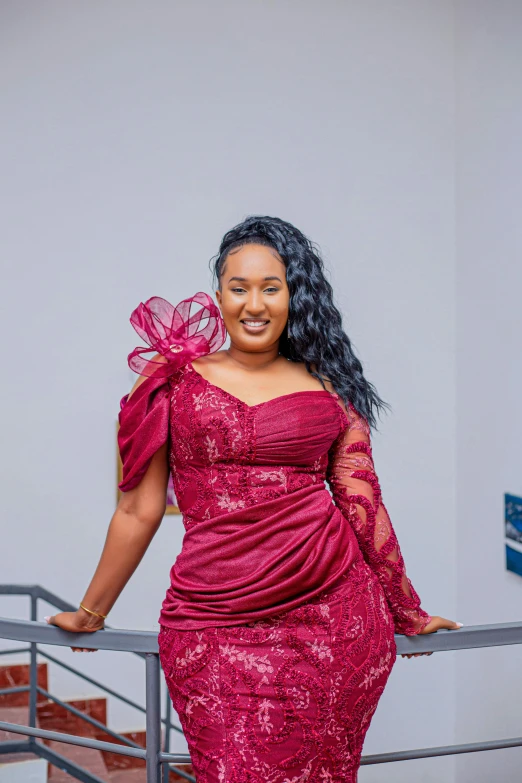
(104, 639)
(142, 642)
(472, 637)
(36, 591)
(145, 643)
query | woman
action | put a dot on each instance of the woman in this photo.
(277, 630)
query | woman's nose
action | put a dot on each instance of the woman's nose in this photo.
(255, 305)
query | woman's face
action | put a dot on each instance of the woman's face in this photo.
(254, 289)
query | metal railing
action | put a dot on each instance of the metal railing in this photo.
(144, 643)
(158, 761)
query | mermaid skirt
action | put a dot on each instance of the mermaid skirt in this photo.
(287, 699)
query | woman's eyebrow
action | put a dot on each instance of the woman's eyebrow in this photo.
(245, 279)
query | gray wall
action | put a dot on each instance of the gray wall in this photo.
(489, 375)
(133, 136)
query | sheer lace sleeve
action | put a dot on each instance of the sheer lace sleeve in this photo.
(355, 489)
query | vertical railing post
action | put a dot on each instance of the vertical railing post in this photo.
(153, 717)
(33, 673)
(166, 744)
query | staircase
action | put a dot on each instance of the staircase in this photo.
(110, 767)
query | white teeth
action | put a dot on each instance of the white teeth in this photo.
(255, 323)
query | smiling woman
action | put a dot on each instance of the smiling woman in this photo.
(277, 630)
(254, 298)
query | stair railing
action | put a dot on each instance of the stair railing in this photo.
(146, 644)
(142, 643)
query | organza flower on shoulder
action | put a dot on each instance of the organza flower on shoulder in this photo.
(175, 334)
(176, 337)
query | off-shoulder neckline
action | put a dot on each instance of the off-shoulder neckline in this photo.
(332, 395)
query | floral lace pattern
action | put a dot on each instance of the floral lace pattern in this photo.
(287, 699)
(223, 460)
(219, 439)
(356, 490)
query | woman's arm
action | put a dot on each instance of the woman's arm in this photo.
(133, 525)
(356, 490)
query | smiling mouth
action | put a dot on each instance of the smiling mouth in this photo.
(249, 322)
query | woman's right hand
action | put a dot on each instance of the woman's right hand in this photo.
(436, 624)
(77, 622)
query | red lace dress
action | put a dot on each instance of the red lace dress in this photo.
(277, 628)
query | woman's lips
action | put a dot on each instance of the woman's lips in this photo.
(254, 329)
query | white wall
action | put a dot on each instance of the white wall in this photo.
(135, 134)
(489, 375)
(24, 772)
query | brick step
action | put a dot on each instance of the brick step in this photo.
(53, 717)
(15, 674)
(140, 775)
(14, 715)
(88, 758)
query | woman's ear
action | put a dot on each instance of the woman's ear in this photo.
(218, 298)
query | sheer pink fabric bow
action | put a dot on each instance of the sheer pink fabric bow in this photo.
(174, 333)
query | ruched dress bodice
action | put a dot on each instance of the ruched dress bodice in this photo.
(262, 530)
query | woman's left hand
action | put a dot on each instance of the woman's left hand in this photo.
(435, 624)
(77, 622)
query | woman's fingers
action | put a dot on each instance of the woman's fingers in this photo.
(69, 621)
(415, 655)
(436, 624)
(451, 625)
(65, 620)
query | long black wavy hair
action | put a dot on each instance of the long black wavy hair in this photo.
(313, 333)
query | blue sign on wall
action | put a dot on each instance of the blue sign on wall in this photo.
(513, 533)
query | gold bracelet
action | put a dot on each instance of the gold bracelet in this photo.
(91, 612)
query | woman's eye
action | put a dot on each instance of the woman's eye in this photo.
(241, 290)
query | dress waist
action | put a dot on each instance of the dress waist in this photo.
(258, 561)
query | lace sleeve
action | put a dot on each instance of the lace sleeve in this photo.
(355, 489)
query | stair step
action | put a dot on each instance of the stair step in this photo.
(18, 715)
(113, 761)
(128, 776)
(173, 778)
(140, 775)
(14, 674)
(53, 717)
(88, 758)
(19, 767)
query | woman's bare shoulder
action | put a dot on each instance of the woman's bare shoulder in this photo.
(329, 386)
(216, 357)
(327, 382)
